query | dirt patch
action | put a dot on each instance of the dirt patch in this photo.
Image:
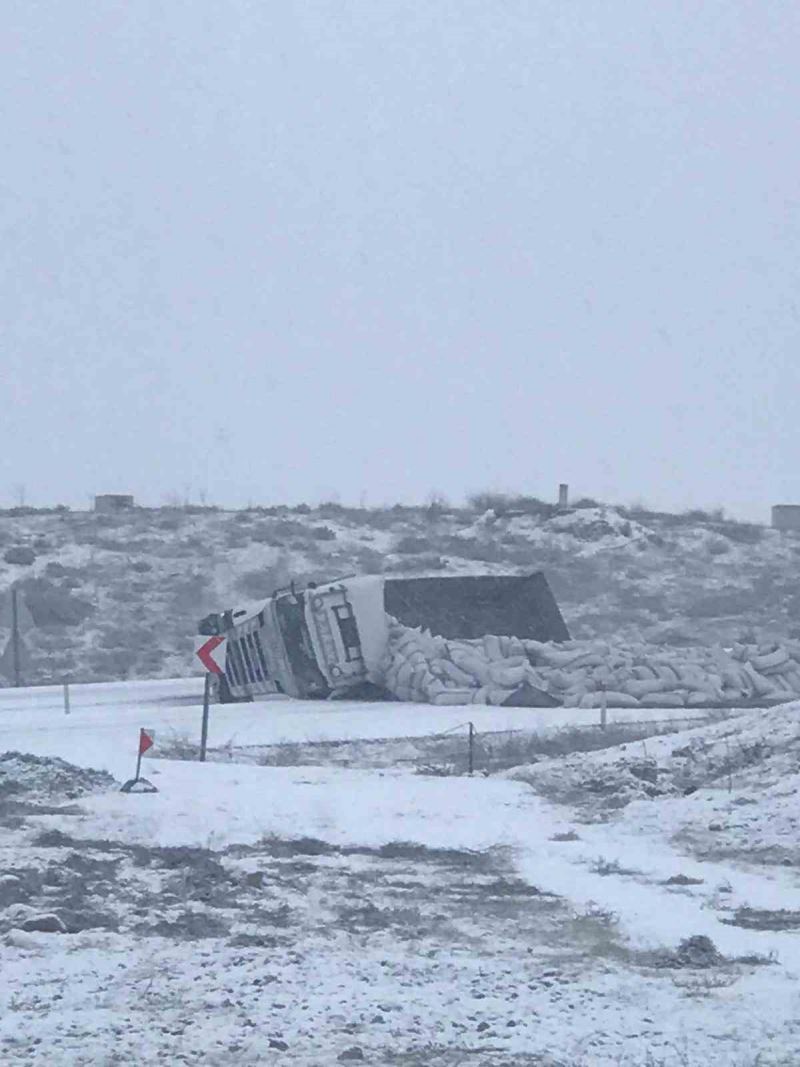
(698, 842)
(22, 773)
(19, 884)
(87, 919)
(289, 848)
(280, 917)
(682, 880)
(463, 859)
(270, 893)
(762, 919)
(190, 926)
(605, 867)
(404, 923)
(462, 1055)
(58, 839)
(257, 941)
(697, 953)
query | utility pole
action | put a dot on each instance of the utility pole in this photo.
(15, 649)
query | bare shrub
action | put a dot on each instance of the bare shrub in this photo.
(369, 561)
(605, 867)
(20, 555)
(111, 663)
(372, 518)
(428, 561)
(188, 594)
(489, 500)
(54, 606)
(170, 522)
(138, 638)
(505, 751)
(261, 583)
(265, 535)
(764, 919)
(178, 746)
(412, 545)
(532, 505)
(472, 549)
(586, 502)
(743, 533)
(698, 515)
(717, 546)
(729, 601)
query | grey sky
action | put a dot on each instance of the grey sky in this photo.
(286, 250)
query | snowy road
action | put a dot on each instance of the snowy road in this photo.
(102, 727)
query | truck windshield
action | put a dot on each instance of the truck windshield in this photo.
(297, 642)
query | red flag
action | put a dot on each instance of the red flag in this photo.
(145, 742)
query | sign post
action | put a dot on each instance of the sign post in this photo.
(204, 726)
(205, 653)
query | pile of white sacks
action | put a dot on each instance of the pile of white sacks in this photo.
(418, 666)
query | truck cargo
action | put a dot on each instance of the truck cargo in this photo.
(340, 638)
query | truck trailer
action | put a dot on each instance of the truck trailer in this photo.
(328, 640)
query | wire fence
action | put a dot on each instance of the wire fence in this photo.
(461, 749)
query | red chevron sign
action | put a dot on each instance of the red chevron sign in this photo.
(205, 654)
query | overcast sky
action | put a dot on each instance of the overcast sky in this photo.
(267, 250)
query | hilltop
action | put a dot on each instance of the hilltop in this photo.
(116, 596)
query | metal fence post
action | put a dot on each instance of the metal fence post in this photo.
(471, 747)
(66, 698)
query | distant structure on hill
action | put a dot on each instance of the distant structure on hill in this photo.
(786, 517)
(110, 502)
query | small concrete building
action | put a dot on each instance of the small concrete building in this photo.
(786, 517)
(112, 502)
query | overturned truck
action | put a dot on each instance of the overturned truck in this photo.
(418, 639)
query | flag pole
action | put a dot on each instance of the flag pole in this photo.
(139, 757)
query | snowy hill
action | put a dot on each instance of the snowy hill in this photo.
(116, 596)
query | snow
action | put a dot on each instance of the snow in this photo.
(210, 1004)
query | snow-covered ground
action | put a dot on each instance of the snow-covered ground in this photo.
(242, 909)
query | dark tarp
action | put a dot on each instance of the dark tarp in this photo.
(469, 607)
